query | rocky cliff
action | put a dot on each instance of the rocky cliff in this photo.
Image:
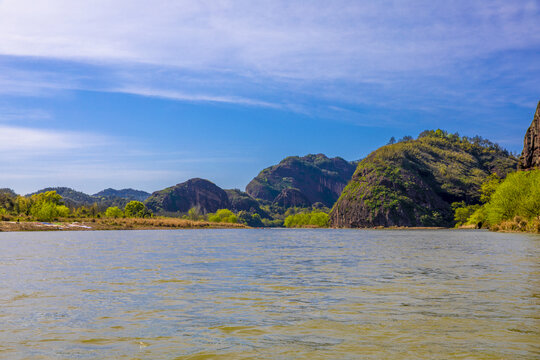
(199, 193)
(530, 157)
(414, 183)
(292, 198)
(317, 177)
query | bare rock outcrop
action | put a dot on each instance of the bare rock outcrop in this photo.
(530, 157)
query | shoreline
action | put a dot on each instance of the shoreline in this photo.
(114, 224)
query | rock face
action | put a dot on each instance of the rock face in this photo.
(292, 198)
(200, 193)
(414, 183)
(317, 177)
(530, 157)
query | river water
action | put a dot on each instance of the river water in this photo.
(269, 294)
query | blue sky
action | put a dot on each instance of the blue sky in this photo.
(147, 94)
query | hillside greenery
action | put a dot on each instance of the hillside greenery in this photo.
(414, 182)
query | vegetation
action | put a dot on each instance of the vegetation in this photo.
(310, 219)
(137, 209)
(512, 204)
(114, 212)
(223, 215)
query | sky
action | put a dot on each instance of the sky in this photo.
(147, 94)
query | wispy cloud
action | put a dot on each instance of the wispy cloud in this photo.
(177, 95)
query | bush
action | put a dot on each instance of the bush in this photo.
(223, 215)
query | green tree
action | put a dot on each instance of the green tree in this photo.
(223, 215)
(194, 214)
(48, 206)
(488, 187)
(136, 209)
(114, 212)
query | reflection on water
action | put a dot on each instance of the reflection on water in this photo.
(279, 294)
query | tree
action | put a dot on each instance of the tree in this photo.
(114, 212)
(391, 141)
(488, 187)
(136, 209)
(194, 214)
(48, 206)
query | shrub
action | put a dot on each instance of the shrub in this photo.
(223, 215)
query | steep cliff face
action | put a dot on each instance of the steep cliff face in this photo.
(200, 193)
(292, 198)
(413, 183)
(530, 157)
(317, 177)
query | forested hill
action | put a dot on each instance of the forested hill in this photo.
(414, 182)
(123, 193)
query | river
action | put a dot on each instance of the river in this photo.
(270, 294)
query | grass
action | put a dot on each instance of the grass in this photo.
(116, 224)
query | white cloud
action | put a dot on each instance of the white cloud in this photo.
(316, 39)
(21, 142)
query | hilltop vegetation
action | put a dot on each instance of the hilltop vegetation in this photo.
(414, 182)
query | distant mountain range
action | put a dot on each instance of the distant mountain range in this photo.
(104, 198)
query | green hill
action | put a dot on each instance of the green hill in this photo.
(414, 182)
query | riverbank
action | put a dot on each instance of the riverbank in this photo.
(115, 224)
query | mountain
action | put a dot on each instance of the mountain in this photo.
(317, 177)
(72, 198)
(530, 157)
(130, 194)
(241, 201)
(199, 193)
(414, 182)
